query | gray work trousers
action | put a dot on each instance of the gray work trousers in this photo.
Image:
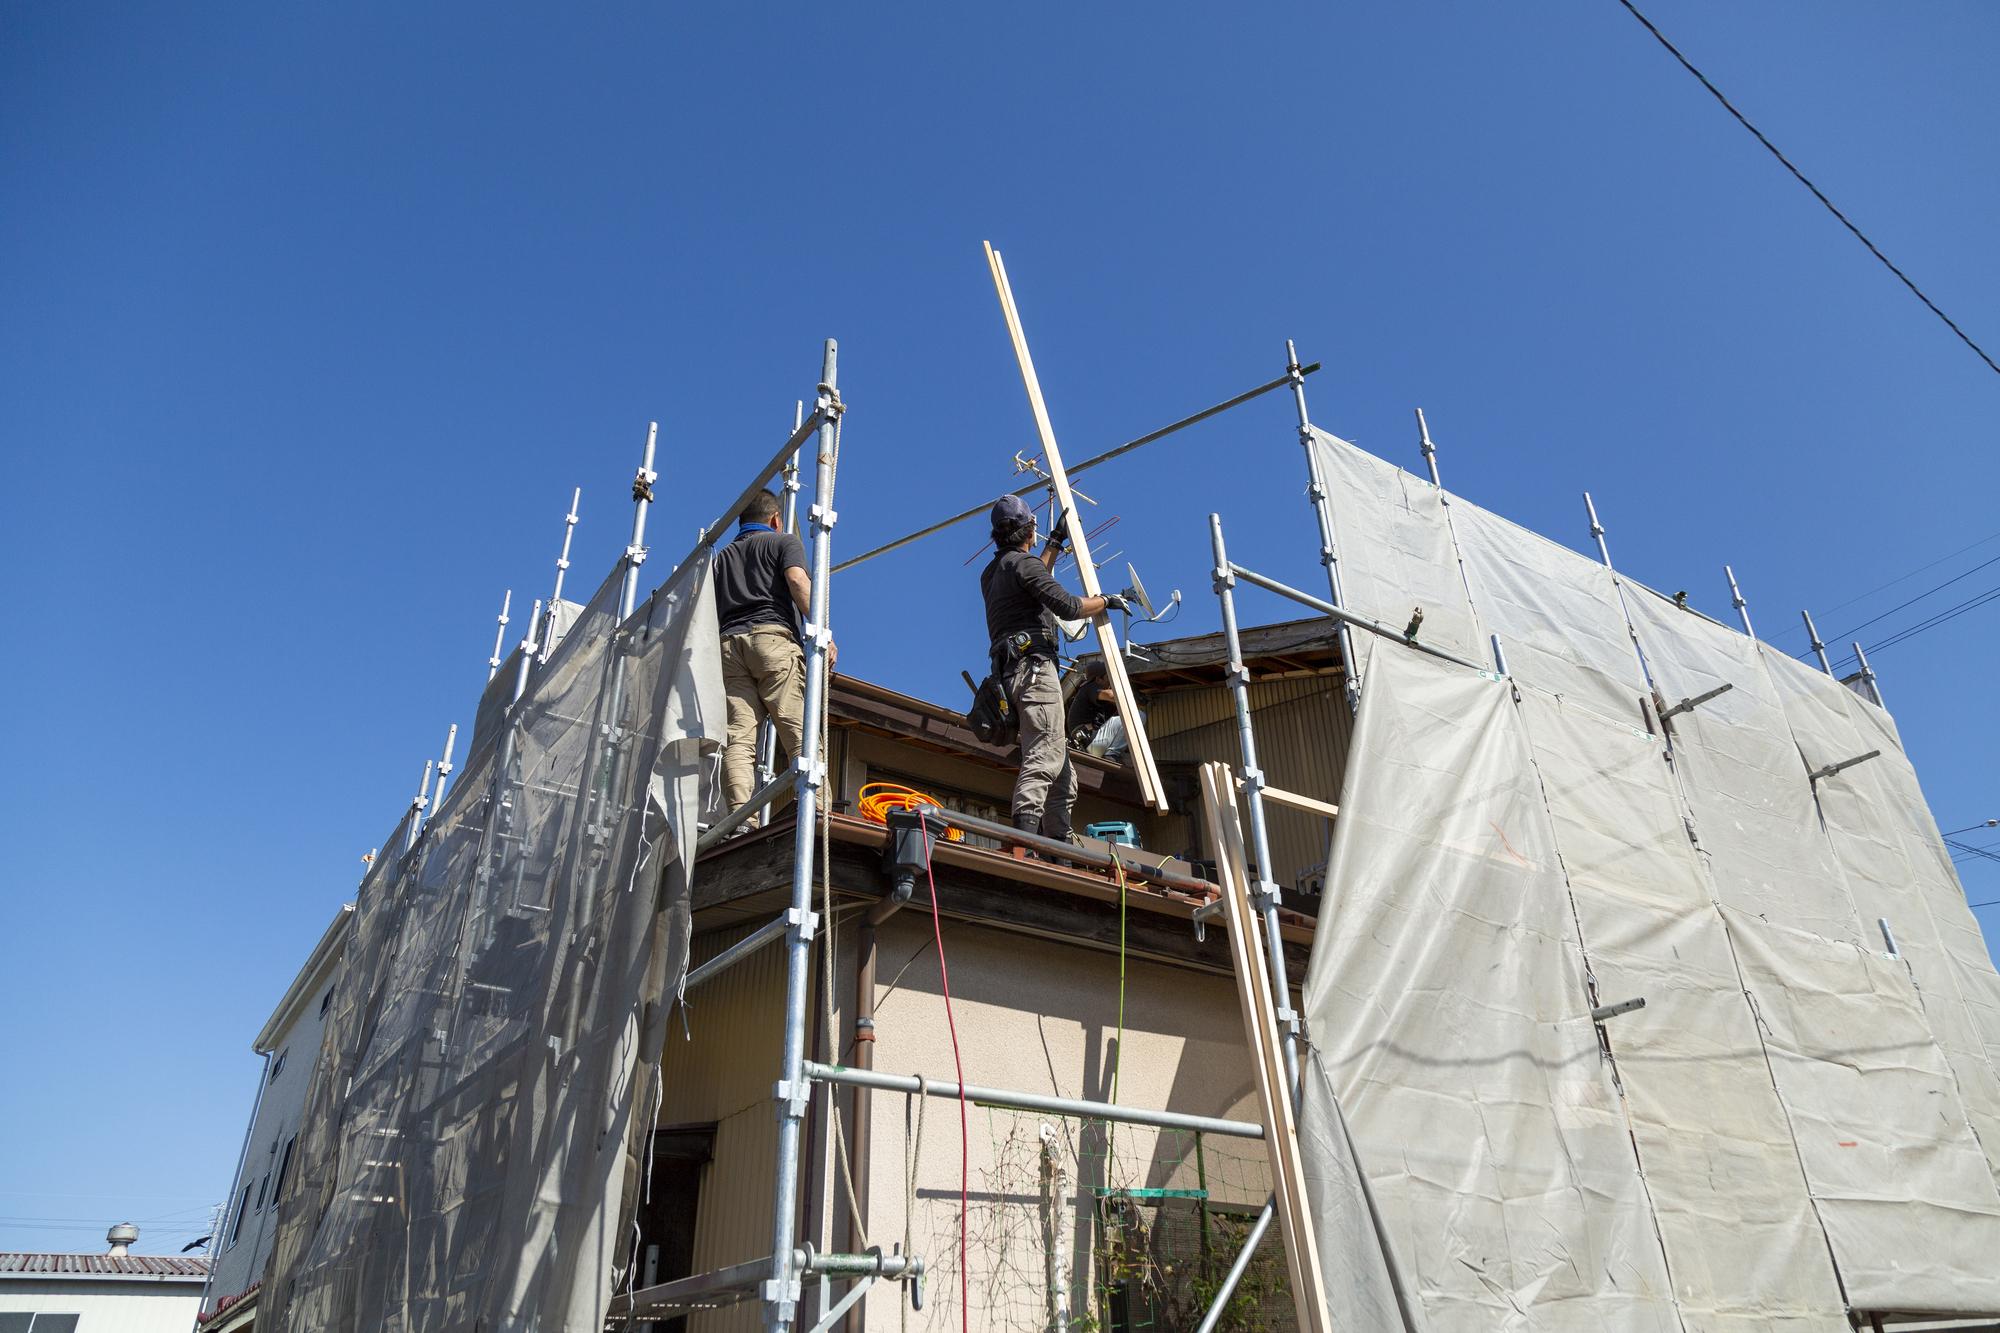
(1046, 787)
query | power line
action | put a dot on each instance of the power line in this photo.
(1910, 632)
(1817, 193)
(1849, 634)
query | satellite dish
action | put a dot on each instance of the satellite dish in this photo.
(1137, 592)
(1073, 630)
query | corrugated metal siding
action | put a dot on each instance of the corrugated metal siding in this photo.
(1302, 726)
(724, 1077)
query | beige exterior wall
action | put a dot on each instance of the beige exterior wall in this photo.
(1032, 1014)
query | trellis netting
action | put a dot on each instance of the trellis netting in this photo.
(1801, 1122)
(487, 1061)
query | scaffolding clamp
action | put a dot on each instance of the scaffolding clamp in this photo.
(791, 1098)
(1202, 915)
(1832, 769)
(1690, 704)
(822, 516)
(805, 921)
(811, 772)
(1224, 578)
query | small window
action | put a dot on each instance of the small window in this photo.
(284, 1169)
(14, 1322)
(263, 1187)
(242, 1208)
(326, 1003)
(278, 1064)
(56, 1323)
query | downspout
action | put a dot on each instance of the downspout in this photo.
(905, 857)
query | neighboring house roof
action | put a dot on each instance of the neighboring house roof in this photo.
(154, 1267)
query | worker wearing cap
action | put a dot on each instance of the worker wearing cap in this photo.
(762, 591)
(1023, 602)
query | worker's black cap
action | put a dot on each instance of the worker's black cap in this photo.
(1011, 512)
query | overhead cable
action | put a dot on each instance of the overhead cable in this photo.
(1850, 633)
(1948, 614)
(1817, 193)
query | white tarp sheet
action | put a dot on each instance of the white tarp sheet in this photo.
(1447, 1009)
(1742, 1243)
(1812, 1124)
(1909, 1208)
(1396, 522)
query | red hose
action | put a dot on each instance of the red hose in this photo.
(964, 1168)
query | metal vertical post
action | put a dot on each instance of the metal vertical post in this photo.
(1428, 449)
(500, 635)
(1323, 511)
(793, 1091)
(642, 500)
(423, 797)
(444, 766)
(562, 568)
(1736, 600)
(529, 647)
(1597, 530)
(1268, 895)
(1868, 676)
(1819, 649)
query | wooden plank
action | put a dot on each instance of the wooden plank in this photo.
(1292, 800)
(1260, 1023)
(1150, 786)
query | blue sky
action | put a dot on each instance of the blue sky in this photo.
(315, 315)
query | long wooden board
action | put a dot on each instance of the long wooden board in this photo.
(1148, 772)
(1260, 1025)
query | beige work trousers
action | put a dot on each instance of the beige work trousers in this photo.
(764, 676)
(1046, 787)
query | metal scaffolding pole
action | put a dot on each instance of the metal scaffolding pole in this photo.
(500, 635)
(1736, 600)
(793, 1091)
(642, 500)
(1868, 675)
(1819, 649)
(562, 568)
(1268, 895)
(1322, 504)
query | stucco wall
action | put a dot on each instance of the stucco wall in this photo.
(121, 1306)
(1032, 1014)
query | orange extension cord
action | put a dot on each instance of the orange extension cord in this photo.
(887, 796)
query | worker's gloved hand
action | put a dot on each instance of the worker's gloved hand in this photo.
(1059, 532)
(1116, 602)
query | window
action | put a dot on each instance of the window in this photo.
(284, 1167)
(263, 1187)
(20, 1322)
(236, 1227)
(326, 1003)
(278, 1065)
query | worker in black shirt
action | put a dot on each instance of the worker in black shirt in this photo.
(763, 590)
(1023, 602)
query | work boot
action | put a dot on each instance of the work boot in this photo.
(1026, 823)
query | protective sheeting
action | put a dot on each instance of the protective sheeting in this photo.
(1556, 613)
(1753, 807)
(1812, 1121)
(1910, 1211)
(502, 1009)
(1741, 1238)
(1396, 522)
(1446, 1004)
(1881, 834)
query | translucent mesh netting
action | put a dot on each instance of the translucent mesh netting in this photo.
(501, 1002)
(1798, 1102)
